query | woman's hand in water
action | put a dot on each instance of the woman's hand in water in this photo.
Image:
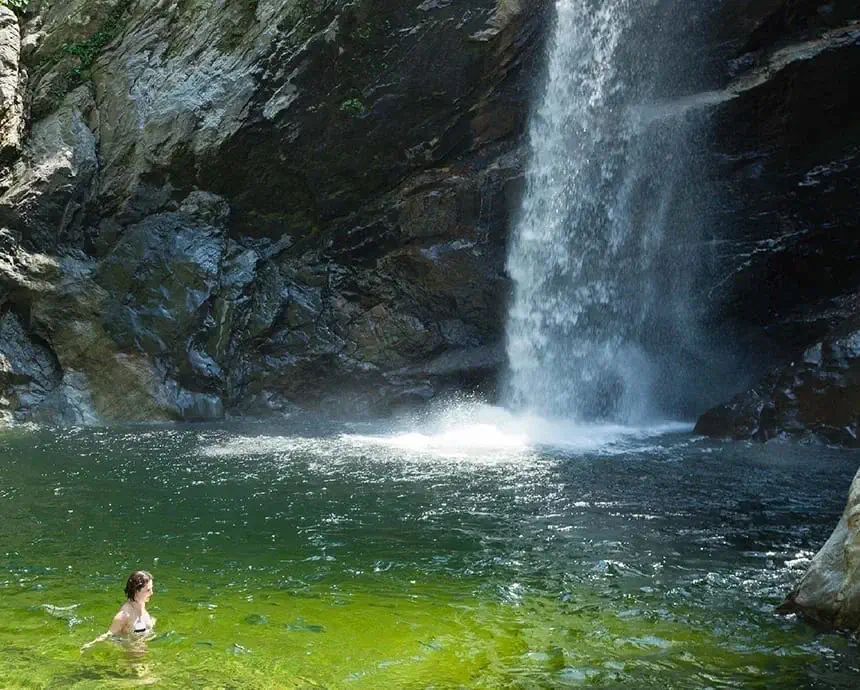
(118, 626)
(101, 637)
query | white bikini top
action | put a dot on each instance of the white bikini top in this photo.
(142, 623)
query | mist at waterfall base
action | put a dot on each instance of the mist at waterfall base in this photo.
(608, 250)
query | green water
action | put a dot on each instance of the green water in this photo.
(318, 558)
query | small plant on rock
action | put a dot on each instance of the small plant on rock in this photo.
(353, 106)
(89, 49)
(17, 6)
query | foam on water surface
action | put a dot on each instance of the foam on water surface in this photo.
(464, 432)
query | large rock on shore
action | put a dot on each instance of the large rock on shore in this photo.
(829, 592)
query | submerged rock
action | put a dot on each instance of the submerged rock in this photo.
(829, 592)
(256, 619)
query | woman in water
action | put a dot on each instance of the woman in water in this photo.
(132, 618)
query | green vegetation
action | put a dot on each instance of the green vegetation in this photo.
(90, 48)
(17, 6)
(353, 106)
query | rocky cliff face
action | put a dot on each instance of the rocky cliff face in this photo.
(248, 206)
(785, 271)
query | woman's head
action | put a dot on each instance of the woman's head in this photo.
(139, 583)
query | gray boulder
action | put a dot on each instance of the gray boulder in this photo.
(829, 592)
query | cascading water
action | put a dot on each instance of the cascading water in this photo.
(604, 251)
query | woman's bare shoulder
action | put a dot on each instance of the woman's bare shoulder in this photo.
(122, 621)
(124, 615)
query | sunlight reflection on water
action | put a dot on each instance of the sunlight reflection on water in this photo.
(469, 431)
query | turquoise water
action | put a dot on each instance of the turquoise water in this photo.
(460, 555)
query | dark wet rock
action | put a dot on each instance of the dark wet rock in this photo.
(32, 384)
(829, 592)
(199, 406)
(352, 126)
(817, 394)
(43, 195)
(95, 377)
(160, 277)
(69, 403)
(28, 370)
(786, 248)
(788, 166)
(470, 369)
(66, 311)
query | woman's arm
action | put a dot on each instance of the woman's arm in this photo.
(117, 627)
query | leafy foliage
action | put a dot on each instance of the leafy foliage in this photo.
(17, 6)
(353, 106)
(89, 49)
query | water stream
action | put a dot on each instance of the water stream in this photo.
(606, 248)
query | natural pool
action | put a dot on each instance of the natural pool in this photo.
(361, 557)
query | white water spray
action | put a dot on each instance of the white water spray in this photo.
(602, 257)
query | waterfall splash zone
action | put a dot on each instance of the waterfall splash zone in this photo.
(483, 431)
(605, 252)
(464, 551)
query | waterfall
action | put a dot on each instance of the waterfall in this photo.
(604, 251)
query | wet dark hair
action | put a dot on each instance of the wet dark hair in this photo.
(136, 582)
